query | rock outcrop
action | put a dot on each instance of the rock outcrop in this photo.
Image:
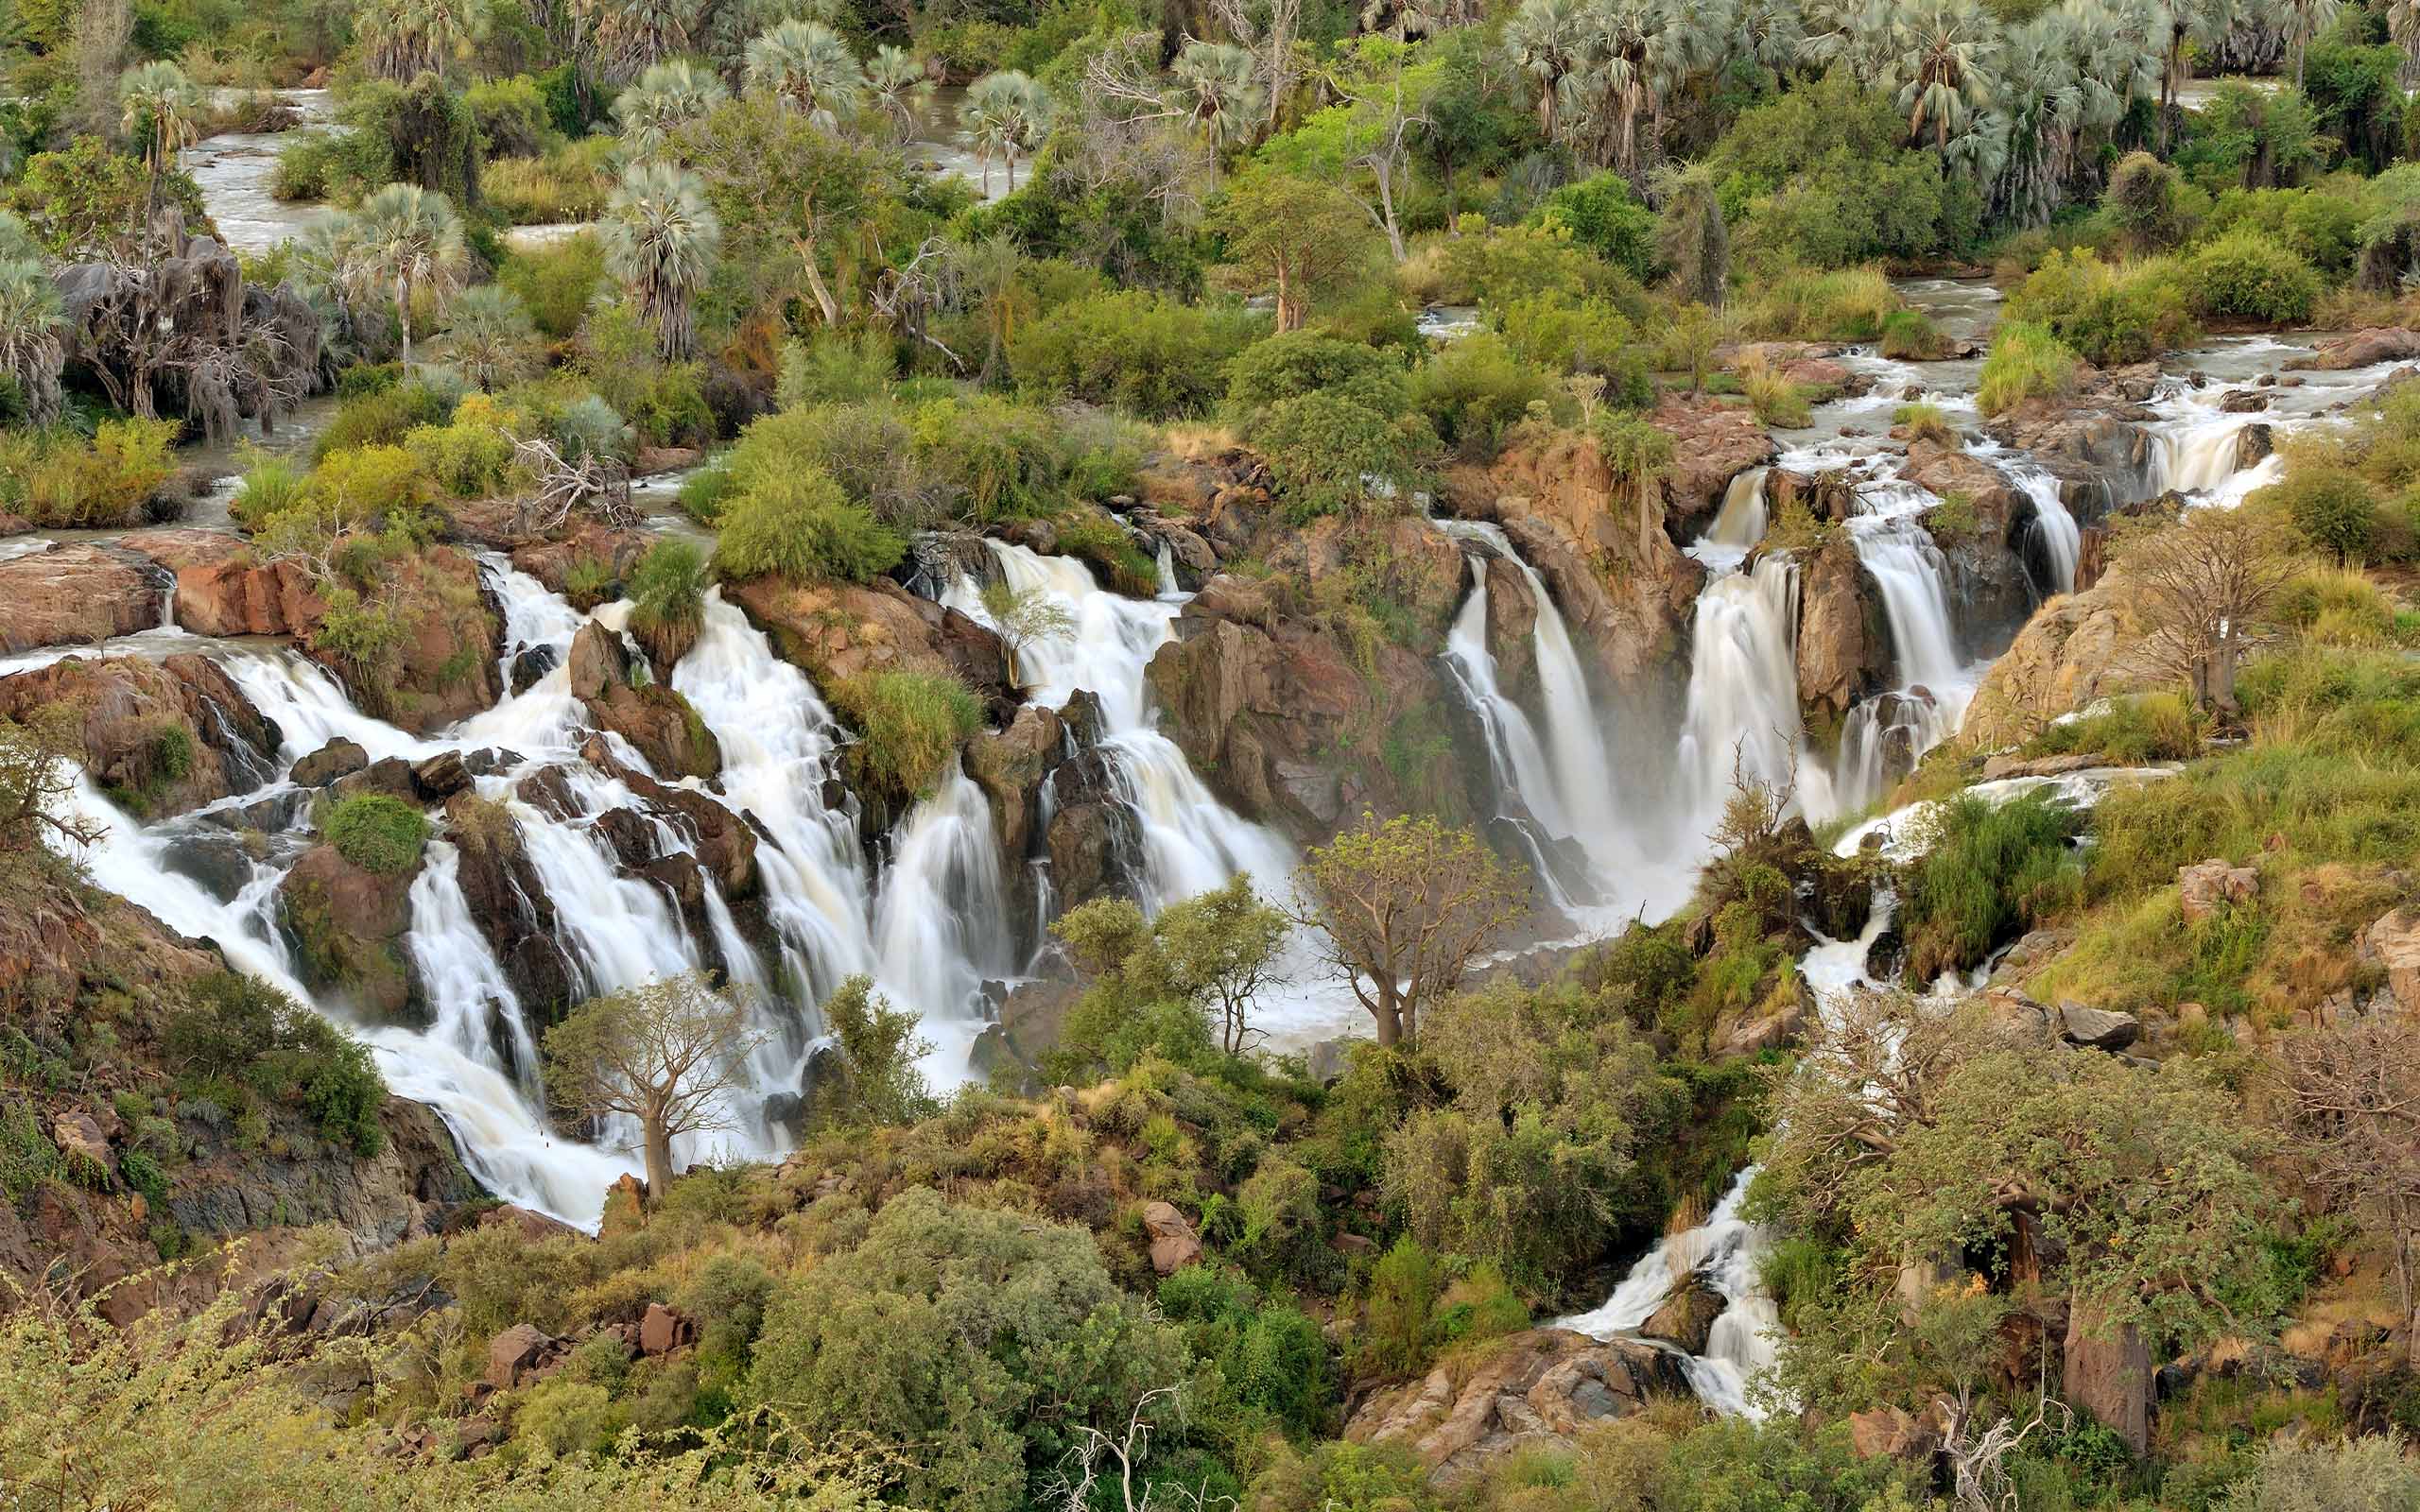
(1843, 641)
(837, 631)
(1537, 1388)
(222, 590)
(1714, 441)
(510, 904)
(2073, 650)
(2363, 349)
(76, 595)
(347, 926)
(658, 722)
(159, 737)
(442, 666)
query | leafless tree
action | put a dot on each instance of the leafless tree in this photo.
(1097, 1456)
(1979, 1462)
(2352, 1094)
(560, 484)
(2203, 589)
(1273, 45)
(906, 295)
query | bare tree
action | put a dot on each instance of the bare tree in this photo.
(2353, 1102)
(2202, 588)
(1096, 1454)
(1273, 45)
(1406, 908)
(663, 1053)
(560, 484)
(1979, 1462)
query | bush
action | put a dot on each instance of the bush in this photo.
(1806, 305)
(376, 833)
(570, 183)
(668, 588)
(1603, 216)
(2025, 362)
(798, 524)
(2330, 507)
(1777, 401)
(829, 367)
(909, 726)
(2108, 315)
(1476, 389)
(2246, 276)
(706, 492)
(60, 481)
(1986, 870)
(513, 118)
(556, 281)
(1133, 350)
(1302, 362)
(1908, 335)
(237, 1035)
(1563, 335)
(1924, 422)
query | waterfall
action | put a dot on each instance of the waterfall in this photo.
(1191, 842)
(941, 927)
(2062, 539)
(2197, 455)
(1743, 683)
(1913, 579)
(1741, 523)
(1515, 757)
(1170, 587)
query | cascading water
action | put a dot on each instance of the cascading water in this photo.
(1742, 704)
(1516, 759)
(1741, 523)
(2061, 539)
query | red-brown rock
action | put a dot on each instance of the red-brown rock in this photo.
(76, 595)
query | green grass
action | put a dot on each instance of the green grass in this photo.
(1989, 871)
(909, 726)
(2026, 362)
(376, 833)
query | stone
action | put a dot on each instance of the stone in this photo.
(159, 737)
(1889, 1433)
(440, 777)
(2363, 349)
(665, 1330)
(347, 925)
(656, 720)
(388, 776)
(2393, 944)
(1841, 656)
(1686, 1316)
(79, 1139)
(1328, 1060)
(221, 588)
(76, 595)
(517, 1354)
(1174, 1245)
(1541, 1387)
(2099, 1028)
(2244, 402)
(1712, 443)
(2204, 885)
(534, 1227)
(337, 758)
(2072, 651)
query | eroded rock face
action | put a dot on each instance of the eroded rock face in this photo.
(444, 670)
(1687, 1317)
(76, 595)
(1843, 653)
(657, 721)
(159, 737)
(1511, 623)
(347, 927)
(2108, 1374)
(222, 590)
(1535, 1388)
(1714, 441)
(2392, 943)
(836, 631)
(2073, 650)
(509, 904)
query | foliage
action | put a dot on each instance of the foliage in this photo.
(1604, 216)
(376, 833)
(2108, 315)
(236, 1033)
(556, 281)
(2025, 362)
(89, 200)
(875, 1079)
(909, 726)
(2246, 276)
(1132, 350)
(1475, 390)
(58, 480)
(1986, 870)
(1213, 953)
(786, 519)
(663, 1053)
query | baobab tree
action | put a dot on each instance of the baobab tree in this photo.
(666, 1053)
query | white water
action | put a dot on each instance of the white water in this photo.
(1516, 759)
(1742, 707)
(2061, 539)
(1739, 526)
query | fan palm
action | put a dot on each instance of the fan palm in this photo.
(2302, 21)
(31, 352)
(2403, 26)
(1217, 86)
(2119, 46)
(806, 66)
(1007, 112)
(1858, 35)
(635, 35)
(402, 240)
(491, 337)
(1634, 54)
(1765, 36)
(665, 96)
(2032, 128)
(660, 239)
(1948, 50)
(2187, 24)
(403, 38)
(162, 106)
(1545, 39)
(897, 85)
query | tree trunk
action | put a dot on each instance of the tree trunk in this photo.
(403, 318)
(659, 1160)
(1389, 1012)
(2108, 1374)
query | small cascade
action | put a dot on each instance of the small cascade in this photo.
(1190, 841)
(1742, 703)
(2198, 455)
(941, 926)
(1515, 757)
(1739, 526)
(2061, 539)
(1170, 587)
(1935, 684)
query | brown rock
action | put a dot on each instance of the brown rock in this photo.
(664, 1330)
(339, 758)
(1009, 766)
(221, 588)
(76, 595)
(1535, 1388)
(2393, 944)
(517, 1354)
(1887, 1433)
(1174, 1245)
(534, 1227)
(160, 737)
(2072, 651)
(80, 1140)
(2363, 349)
(2203, 886)
(1711, 442)
(1686, 1316)
(657, 721)
(444, 669)
(1839, 658)
(347, 925)
(1512, 626)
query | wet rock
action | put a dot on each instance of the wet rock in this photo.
(337, 758)
(224, 588)
(1511, 623)
(532, 665)
(347, 926)
(509, 904)
(1538, 1388)
(2253, 445)
(440, 777)
(391, 775)
(723, 843)
(1840, 657)
(1712, 443)
(1174, 1245)
(159, 738)
(2244, 402)
(656, 720)
(444, 669)
(837, 631)
(2099, 1028)
(1092, 843)
(76, 595)
(2363, 349)
(2205, 886)
(1009, 766)
(2073, 650)
(1686, 1316)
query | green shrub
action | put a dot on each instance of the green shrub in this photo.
(1133, 350)
(2331, 508)
(1924, 422)
(1986, 870)
(706, 492)
(2025, 362)
(1562, 334)
(376, 833)
(1908, 335)
(556, 281)
(1603, 216)
(830, 368)
(513, 117)
(237, 1035)
(1302, 362)
(1776, 399)
(2246, 276)
(909, 726)
(61, 481)
(1810, 304)
(668, 587)
(2106, 314)
(1474, 389)
(789, 521)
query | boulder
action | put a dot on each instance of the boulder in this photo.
(722, 842)
(223, 589)
(1008, 766)
(2392, 943)
(1686, 1316)
(520, 1353)
(79, 1139)
(665, 1330)
(1538, 1388)
(1511, 627)
(347, 927)
(444, 669)
(440, 777)
(2099, 1028)
(2202, 888)
(2363, 349)
(2074, 649)
(2107, 1373)
(655, 719)
(1713, 441)
(337, 758)
(388, 776)
(159, 737)
(509, 904)
(1174, 1245)
(1888, 1433)
(534, 1227)
(1842, 654)
(837, 631)
(76, 595)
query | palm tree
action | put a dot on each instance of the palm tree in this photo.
(666, 95)
(1010, 114)
(403, 239)
(806, 66)
(2303, 20)
(2196, 24)
(660, 242)
(1544, 40)
(899, 87)
(1948, 52)
(401, 39)
(1765, 36)
(2120, 48)
(492, 336)
(31, 352)
(161, 107)
(1634, 54)
(1858, 35)
(2403, 26)
(1218, 88)
(2034, 127)
(635, 35)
